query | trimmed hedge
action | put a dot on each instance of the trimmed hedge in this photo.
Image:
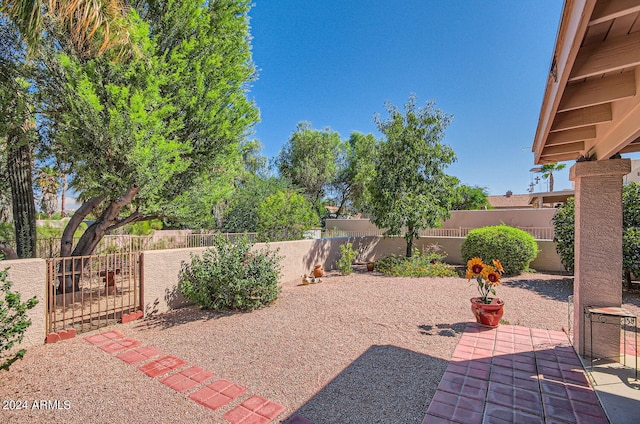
(515, 248)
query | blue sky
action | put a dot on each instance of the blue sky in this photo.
(335, 63)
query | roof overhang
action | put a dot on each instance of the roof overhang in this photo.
(591, 105)
(552, 197)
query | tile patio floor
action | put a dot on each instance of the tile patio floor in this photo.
(514, 374)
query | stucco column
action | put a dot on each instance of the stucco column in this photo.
(598, 249)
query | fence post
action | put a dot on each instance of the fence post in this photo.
(141, 272)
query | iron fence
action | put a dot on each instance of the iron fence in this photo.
(539, 233)
(89, 292)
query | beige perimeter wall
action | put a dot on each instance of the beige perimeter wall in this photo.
(466, 219)
(162, 269)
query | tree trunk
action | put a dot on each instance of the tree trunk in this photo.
(551, 181)
(21, 182)
(63, 195)
(409, 238)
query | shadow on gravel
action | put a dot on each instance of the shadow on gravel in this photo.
(386, 384)
(181, 316)
(446, 330)
(557, 289)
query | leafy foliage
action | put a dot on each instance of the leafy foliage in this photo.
(285, 214)
(410, 190)
(308, 160)
(356, 169)
(513, 247)
(241, 213)
(230, 276)
(13, 322)
(347, 256)
(564, 238)
(564, 225)
(547, 171)
(425, 263)
(468, 198)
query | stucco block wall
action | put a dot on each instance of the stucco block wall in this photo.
(466, 219)
(513, 217)
(29, 277)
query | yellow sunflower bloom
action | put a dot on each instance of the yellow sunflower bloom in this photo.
(498, 265)
(476, 267)
(492, 276)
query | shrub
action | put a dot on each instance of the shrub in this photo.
(513, 247)
(563, 224)
(13, 322)
(229, 276)
(347, 256)
(425, 263)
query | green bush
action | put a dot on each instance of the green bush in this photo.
(425, 263)
(229, 276)
(564, 233)
(13, 322)
(514, 248)
(631, 254)
(347, 256)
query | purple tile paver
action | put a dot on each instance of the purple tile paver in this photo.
(256, 410)
(514, 374)
(97, 339)
(217, 394)
(140, 354)
(162, 366)
(187, 379)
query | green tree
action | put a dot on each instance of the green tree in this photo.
(48, 182)
(410, 190)
(241, 213)
(356, 170)
(547, 171)
(146, 134)
(308, 160)
(285, 215)
(564, 226)
(468, 198)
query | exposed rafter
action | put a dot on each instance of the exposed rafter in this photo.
(598, 91)
(571, 136)
(610, 55)
(582, 117)
(607, 10)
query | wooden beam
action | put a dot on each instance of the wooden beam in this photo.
(562, 149)
(622, 132)
(582, 117)
(610, 55)
(631, 148)
(570, 136)
(598, 91)
(558, 158)
(606, 10)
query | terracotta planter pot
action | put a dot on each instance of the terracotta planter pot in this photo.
(487, 314)
(370, 266)
(318, 271)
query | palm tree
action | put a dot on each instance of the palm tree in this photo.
(547, 171)
(85, 21)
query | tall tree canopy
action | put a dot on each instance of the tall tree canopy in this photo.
(308, 160)
(468, 198)
(355, 172)
(410, 190)
(547, 171)
(148, 134)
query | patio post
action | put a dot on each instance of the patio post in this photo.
(598, 248)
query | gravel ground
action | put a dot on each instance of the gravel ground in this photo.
(364, 348)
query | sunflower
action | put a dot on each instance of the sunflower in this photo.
(475, 266)
(498, 265)
(492, 276)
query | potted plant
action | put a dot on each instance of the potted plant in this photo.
(487, 310)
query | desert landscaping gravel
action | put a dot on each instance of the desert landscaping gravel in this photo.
(363, 348)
